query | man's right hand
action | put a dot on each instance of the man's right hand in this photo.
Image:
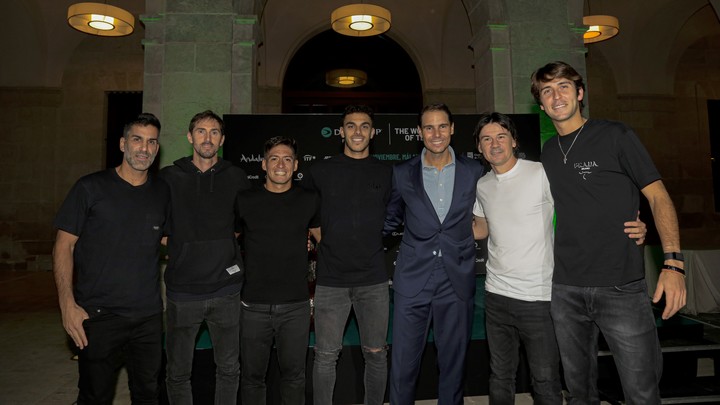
(73, 316)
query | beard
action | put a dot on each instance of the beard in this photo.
(137, 164)
(206, 153)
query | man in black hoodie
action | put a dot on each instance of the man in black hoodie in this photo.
(203, 275)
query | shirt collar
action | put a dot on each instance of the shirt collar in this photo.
(425, 165)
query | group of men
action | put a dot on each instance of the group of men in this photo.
(553, 296)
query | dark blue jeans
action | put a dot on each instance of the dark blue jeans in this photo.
(508, 323)
(624, 316)
(332, 308)
(288, 325)
(113, 339)
(222, 316)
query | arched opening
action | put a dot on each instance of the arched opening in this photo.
(393, 83)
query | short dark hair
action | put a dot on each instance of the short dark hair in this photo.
(143, 120)
(435, 107)
(552, 71)
(280, 140)
(495, 118)
(358, 108)
(205, 115)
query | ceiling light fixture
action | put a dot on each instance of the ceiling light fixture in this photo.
(100, 19)
(345, 78)
(360, 20)
(600, 28)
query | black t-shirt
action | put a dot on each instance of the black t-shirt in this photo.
(595, 192)
(353, 196)
(274, 233)
(119, 228)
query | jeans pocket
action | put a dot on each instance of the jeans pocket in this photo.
(632, 287)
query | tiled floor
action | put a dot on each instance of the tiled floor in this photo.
(35, 362)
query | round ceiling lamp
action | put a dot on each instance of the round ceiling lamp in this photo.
(100, 19)
(360, 20)
(600, 28)
(345, 78)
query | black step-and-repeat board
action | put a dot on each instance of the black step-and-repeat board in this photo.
(396, 139)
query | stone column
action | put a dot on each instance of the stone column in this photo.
(199, 55)
(512, 38)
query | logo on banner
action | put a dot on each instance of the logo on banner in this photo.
(326, 132)
(309, 158)
(251, 158)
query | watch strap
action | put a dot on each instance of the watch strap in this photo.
(675, 256)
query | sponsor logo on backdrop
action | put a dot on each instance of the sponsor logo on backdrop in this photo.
(250, 158)
(326, 132)
(309, 158)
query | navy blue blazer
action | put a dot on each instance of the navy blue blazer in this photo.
(424, 234)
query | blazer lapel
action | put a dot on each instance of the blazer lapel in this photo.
(461, 174)
(419, 185)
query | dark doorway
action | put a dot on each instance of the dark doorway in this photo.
(714, 124)
(122, 106)
(393, 84)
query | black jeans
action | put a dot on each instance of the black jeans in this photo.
(288, 325)
(508, 323)
(222, 316)
(624, 316)
(113, 339)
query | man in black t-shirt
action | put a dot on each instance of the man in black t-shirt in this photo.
(597, 171)
(276, 308)
(108, 239)
(354, 189)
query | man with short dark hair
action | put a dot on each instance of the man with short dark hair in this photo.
(276, 307)
(434, 279)
(204, 271)
(597, 171)
(108, 239)
(354, 188)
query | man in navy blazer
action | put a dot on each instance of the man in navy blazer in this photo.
(434, 279)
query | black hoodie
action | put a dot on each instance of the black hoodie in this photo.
(202, 247)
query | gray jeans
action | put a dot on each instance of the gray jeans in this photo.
(332, 308)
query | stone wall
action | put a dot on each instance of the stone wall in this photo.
(674, 128)
(53, 136)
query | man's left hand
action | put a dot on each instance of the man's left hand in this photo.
(672, 284)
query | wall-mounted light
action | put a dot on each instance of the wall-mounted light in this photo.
(345, 78)
(100, 19)
(360, 20)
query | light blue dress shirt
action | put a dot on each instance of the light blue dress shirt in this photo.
(439, 184)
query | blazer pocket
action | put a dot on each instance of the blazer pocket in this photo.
(405, 254)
